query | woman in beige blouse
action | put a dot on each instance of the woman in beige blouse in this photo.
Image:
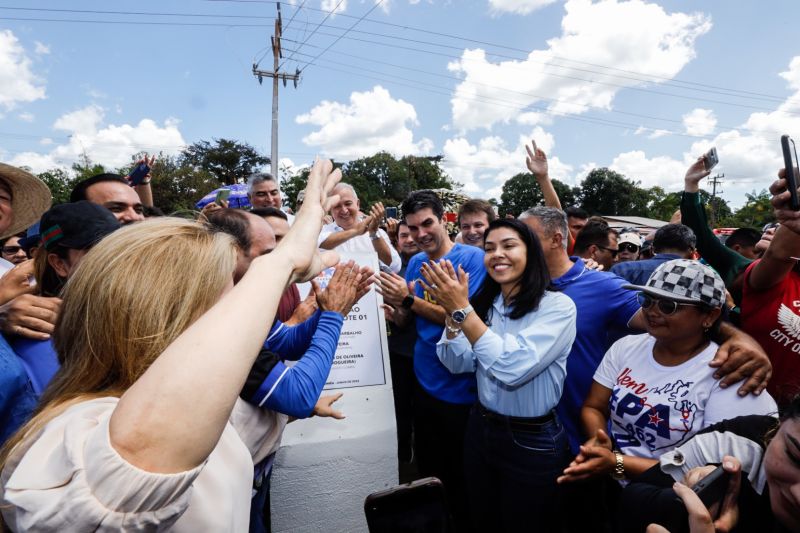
(142, 428)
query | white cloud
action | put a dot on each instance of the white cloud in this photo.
(40, 49)
(26, 117)
(330, 5)
(663, 171)
(652, 134)
(700, 122)
(522, 7)
(108, 144)
(371, 122)
(18, 83)
(483, 167)
(658, 44)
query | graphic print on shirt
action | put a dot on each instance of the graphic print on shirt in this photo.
(790, 324)
(652, 417)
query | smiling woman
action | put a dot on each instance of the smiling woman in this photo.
(516, 340)
(657, 389)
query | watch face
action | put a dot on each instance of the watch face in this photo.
(459, 316)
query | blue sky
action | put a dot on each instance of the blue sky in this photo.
(642, 87)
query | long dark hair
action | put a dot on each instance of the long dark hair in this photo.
(535, 278)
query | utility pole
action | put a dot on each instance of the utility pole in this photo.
(275, 75)
(716, 180)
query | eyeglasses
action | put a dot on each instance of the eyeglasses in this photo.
(612, 251)
(667, 307)
(11, 250)
(628, 247)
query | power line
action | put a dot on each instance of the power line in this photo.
(308, 64)
(650, 77)
(138, 22)
(633, 88)
(539, 97)
(296, 11)
(647, 77)
(327, 15)
(728, 92)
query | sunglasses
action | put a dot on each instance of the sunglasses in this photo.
(667, 307)
(612, 251)
(11, 250)
(628, 247)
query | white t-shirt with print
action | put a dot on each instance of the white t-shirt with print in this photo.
(654, 408)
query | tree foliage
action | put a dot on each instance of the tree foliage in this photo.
(605, 192)
(756, 212)
(380, 178)
(229, 161)
(522, 192)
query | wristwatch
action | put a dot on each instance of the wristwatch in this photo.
(407, 302)
(460, 315)
(619, 467)
(374, 236)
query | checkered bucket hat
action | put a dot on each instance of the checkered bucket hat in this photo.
(685, 281)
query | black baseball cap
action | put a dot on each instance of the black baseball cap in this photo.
(77, 225)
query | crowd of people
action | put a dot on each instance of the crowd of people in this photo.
(555, 373)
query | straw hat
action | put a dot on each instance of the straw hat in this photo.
(30, 199)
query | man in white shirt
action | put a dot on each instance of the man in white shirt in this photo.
(350, 232)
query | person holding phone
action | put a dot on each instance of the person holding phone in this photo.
(515, 335)
(770, 297)
(762, 458)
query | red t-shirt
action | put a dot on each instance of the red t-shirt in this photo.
(771, 317)
(289, 302)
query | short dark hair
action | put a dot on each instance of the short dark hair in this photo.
(674, 237)
(419, 200)
(79, 191)
(233, 222)
(744, 237)
(576, 212)
(535, 278)
(595, 232)
(270, 211)
(150, 211)
(474, 206)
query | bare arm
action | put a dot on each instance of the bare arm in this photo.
(594, 414)
(537, 164)
(161, 423)
(340, 237)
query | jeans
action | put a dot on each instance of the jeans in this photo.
(511, 474)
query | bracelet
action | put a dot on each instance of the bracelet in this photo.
(451, 326)
(619, 467)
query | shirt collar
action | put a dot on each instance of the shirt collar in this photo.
(572, 274)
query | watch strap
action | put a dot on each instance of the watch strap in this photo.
(407, 302)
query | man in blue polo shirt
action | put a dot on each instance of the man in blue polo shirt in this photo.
(603, 307)
(442, 400)
(673, 241)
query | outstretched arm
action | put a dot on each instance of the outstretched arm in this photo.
(537, 164)
(161, 424)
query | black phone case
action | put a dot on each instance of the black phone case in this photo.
(787, 146)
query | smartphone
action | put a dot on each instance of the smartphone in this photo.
(710, 158)
(391, 212)
(222, 195)
(138, 173)
(791, 165)
(417, 507)
(712, 488)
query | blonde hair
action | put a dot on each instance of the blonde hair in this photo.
(132, 295)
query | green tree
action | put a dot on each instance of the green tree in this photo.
(522, 191)
(756, 212)
(60, 184)
(229, 161)
(177, 186)
(605, 192)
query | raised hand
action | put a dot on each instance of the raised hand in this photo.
(536, 160)
(299, 246)
(781, 201)
(696, 172)
(340, 294)
(448, 288)
(392, 287)
(376, 213)
(17, 281)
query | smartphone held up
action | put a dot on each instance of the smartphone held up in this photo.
(791, 167)
(710, 158)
